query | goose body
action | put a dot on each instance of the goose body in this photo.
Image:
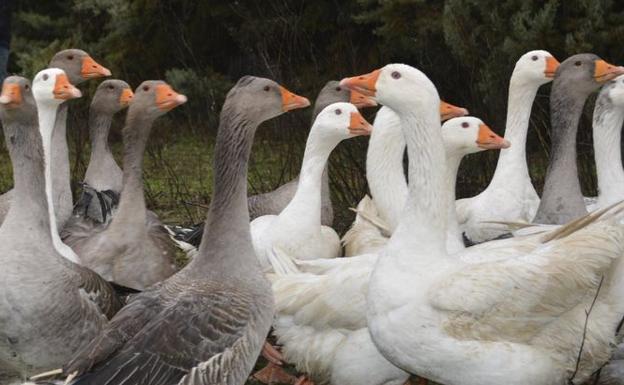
(298, 229)
(50, 307)
(206, 324)
(460, 322)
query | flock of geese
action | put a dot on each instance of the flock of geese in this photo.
(501, 288)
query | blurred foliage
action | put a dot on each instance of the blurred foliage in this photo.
(467, 47)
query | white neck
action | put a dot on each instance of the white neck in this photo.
(422, 229)
(454, 240)
(304, 209)
(607, 129)
(384, 166)
(512, 169)
(47, 116)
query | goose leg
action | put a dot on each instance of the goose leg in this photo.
(271, 354)
(304, 380)
(274, 374)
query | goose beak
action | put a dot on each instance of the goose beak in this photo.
(64, 90)
(361, 101)
(292, 101)
(92, 69)
(11, 96)
(358, 125)
(167, 99)
(604, 71)
(126, 97)
(449, 111)
(551, 67)
(364, 84)
(488, 140)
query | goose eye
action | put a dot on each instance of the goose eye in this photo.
(26, 87)
(45, 77)
(267, 88)
(70, 57)
(396, 75)
(578, 63)
(145, 88)
(534, 57)
(338, 89)
(465, 125)
(111, 87)
(338, 111)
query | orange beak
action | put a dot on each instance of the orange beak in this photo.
(126, 97)
(361, 101)
(364, 84)
(604, 71)
(292, 101)
(11, 96)
(64, 90)
(449, 111)
(167, 99)
(91, 69)
(551, 67)
(358, 125)
(488, 140)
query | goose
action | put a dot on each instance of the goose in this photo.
(103, 178)
(49, 306)
(321, 318)
(562, 200)
(375, 220)
(298, 229)
(515, 321)
(207, 323)
(274, 202)
(134, 250)
(510, 195)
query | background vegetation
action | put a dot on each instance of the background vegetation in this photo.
(467, 47)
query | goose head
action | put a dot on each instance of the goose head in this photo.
(78, 65)
(401, 87)
(584, 73)
(340, 121)
(155, 98)
(52, 87)
(112, 96)
(467, 135)
(260, 99)
(535, 67)
(16, 99)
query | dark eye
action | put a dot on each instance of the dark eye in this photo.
(145, 88)
(26, 87)
(338, 89)
(534, 57)
(577, 63)
(267, 88)
(70, 57)
(396, 75)
(45, 77)
(338, 111)
(111, 87)
(465, 124)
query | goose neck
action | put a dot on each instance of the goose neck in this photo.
(607, 132)
(102, 173)
(454, 239)
(99, 128)
(61, 181)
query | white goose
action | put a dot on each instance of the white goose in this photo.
(321, 319)
(297, 230)
(510, 196)
(513, 321)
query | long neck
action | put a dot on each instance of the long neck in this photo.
(562, 200)
(423, 226)
(305, 207)
(61, 186)
(29, 209)
(512, 163)
(454, 241)
(226, 241)
(607, 129)
(132, 211)
(103, 172)
(384, 166)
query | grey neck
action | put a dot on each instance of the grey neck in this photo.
(226, 241)
(61, 187)
(103, 173)
(562, 200)
(29, 209)
(132, 212)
